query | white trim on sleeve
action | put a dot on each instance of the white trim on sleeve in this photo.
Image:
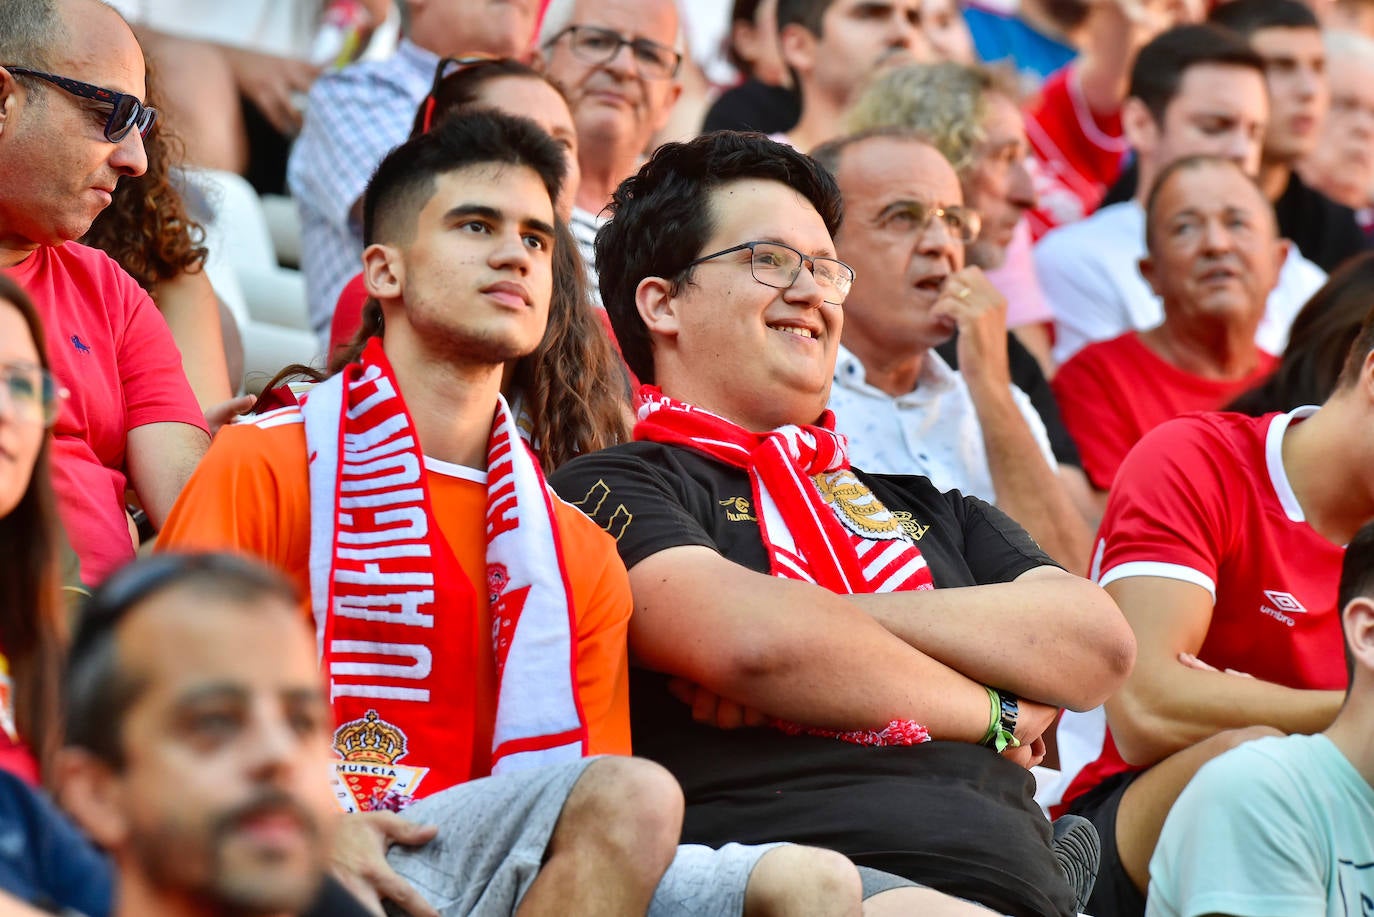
(1158, 568)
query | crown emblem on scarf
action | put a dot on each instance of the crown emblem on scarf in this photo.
(370, 739)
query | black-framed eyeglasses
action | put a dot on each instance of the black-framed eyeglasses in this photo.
(597, 46)
(126, 112)
(446, 68)
(963, 223)
(33, 394)
(774, 264)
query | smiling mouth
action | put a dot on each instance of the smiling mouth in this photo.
(795, 331)
(931, 284)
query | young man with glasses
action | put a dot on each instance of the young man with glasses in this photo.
(355, 115)
(779, 588)
(617, 63)
(71, 126)
(903, 407)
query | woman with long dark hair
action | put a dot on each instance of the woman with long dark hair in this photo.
(31, 620)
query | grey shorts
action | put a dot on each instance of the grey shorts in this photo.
(493, 833)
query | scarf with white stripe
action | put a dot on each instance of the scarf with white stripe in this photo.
(395, 613)
(795, 473)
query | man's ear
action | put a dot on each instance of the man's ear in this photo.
(1139, 127)
(798, 47)
(657, 306)
(1357, 619)
(92, 793)
(383, 271)
(9, 87)
(1146, 266)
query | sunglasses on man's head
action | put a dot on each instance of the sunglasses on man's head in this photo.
(446, 68)
(126, 111)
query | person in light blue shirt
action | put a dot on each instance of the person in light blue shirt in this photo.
(1285, 825)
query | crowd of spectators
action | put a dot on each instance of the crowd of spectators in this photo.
(929, 474)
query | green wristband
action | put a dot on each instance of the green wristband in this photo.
(998, 737)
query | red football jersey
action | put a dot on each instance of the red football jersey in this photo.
(1205, 499)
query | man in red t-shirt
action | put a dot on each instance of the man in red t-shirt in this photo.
(71, 127)
(1213, 258)
(1222, 544)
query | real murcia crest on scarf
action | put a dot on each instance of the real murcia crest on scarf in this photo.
(368, 778)
(857, 507)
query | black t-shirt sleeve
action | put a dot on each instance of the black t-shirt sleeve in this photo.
(998, 550)
(643, 508)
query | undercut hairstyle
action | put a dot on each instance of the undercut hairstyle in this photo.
(1357, 580)
(1160, 66)
(946, 103)
(407, 177)
(1318, 342)
(661, 217)
(30, 30)
(1246, 17)
(463, 89)
(809, 14)
(100, 687)
(1188, 163)
(1358, 353)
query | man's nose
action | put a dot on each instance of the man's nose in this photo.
(130, 157)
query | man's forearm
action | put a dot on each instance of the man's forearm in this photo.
(1175, 708)
(1028, 488)
(1048, 636)
(790, 649)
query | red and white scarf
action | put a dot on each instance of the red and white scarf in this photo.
(819, 523)
(395, 614)
(849, 547)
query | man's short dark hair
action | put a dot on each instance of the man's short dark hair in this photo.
(1357, 579)
(661, 218)
(1246, 17)
(1195, 162)
(1160, 66)
(407, 177)
(806, 13)
(99, 688)
(30, 30)
(1359, 351)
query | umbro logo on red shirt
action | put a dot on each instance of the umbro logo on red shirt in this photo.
(1281, 606)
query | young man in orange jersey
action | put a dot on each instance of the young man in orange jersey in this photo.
(471, 625)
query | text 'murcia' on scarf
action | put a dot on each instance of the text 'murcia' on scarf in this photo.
(818, 521)
(396, 616)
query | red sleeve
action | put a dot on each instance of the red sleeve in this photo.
(155, 386)
(251, 495)
(1087, 399)
(1167, 514)
(1078, 152)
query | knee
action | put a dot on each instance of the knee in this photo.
(794, 880)
(631, 805)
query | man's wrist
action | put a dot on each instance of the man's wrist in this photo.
(1003, 713)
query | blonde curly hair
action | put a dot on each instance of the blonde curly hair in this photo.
(945, 103)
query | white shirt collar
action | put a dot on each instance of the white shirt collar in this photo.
(1273, 458)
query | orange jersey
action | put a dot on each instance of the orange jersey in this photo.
(251, 493)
